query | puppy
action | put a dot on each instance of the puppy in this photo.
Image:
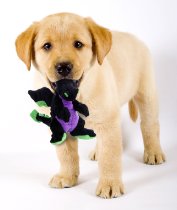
(111, 68)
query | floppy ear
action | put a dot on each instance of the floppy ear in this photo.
(102, 39)
(24, 44)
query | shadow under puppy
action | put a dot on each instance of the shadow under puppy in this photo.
(64, 111)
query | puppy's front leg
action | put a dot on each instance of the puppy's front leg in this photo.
(109, 160)
(67, 154)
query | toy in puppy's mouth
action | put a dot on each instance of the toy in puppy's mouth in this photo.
(64, 108)
(76, 82)
(66, 89)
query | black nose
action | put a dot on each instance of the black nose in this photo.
(64, 68)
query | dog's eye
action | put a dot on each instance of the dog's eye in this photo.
(47, 46)
(78, 44)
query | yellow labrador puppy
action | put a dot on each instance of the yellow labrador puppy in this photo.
(111, 68)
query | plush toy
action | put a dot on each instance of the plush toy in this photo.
(64, 111)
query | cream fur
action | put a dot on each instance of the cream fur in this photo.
(117, 69)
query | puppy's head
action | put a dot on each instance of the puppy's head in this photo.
(63, 45)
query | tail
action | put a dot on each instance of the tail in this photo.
(133, 110)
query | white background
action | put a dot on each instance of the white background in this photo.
(27, 160)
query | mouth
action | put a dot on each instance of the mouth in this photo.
(54, 86)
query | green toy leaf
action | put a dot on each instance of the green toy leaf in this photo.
(85, 137)
(41, 103)
(35, 113)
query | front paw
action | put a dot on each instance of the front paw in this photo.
(93, 155)
(61, 181)
(109, 188)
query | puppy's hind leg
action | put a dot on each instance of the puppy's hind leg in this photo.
(148, 107)
(94, 153)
